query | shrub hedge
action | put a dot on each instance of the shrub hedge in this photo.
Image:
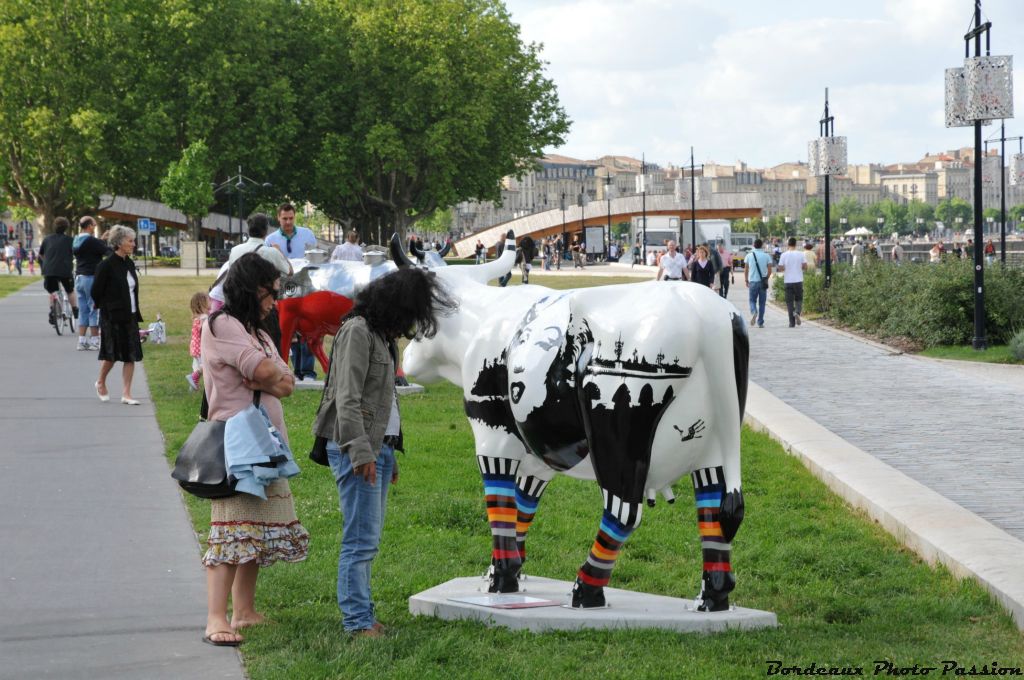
(932, 304)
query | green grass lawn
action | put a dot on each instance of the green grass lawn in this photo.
(996, 354)
(10, 284)
(846, 593)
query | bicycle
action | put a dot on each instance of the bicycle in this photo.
(60, 311)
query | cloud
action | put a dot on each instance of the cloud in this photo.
(746, 80)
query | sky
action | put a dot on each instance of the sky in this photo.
(745, 79)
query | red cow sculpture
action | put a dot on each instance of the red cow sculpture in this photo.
(315, 298)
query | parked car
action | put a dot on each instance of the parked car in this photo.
(168, 251)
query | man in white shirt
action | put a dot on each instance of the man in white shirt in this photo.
(349, 250)
(258, 225)
(292, 240)
(672, 264)
(793, 264)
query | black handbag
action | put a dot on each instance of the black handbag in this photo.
(199, 468)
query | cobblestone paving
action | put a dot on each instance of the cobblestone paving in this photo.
(954, 430)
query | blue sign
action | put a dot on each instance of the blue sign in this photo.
(146, 226)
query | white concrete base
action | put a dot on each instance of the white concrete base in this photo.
(626, 610)
(319, 386)
(308, 384)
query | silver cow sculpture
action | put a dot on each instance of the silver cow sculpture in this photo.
(316, 297)
(633, 386)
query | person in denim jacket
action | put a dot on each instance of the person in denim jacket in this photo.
(359, 417)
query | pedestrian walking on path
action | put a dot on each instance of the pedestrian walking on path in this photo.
(757, 270)
(89, 252)
(115, 291)
(793, 264)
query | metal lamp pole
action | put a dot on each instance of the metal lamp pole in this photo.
(643, 209)
(1003, 139)
(692, 167)
(608, 197)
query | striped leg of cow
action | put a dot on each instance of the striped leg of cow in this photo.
(499, 475)
(617, 523)
(717, 579)
(529, 489)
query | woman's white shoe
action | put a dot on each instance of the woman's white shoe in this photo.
(129, 401)
(103, 397)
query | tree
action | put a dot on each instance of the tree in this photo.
(920, 210)
(949, 209)
(420, 104)
(187, 187)
(815, 211)
(101, 95)
(895, 215)
(55, 63)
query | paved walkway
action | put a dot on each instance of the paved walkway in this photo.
(953, 426)
(100, 575)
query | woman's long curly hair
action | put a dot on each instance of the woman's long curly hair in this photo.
(405, 302)
(247, 275)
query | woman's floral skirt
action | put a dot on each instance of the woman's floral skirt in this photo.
(244, 528)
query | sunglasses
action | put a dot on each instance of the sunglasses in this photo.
(289, 244)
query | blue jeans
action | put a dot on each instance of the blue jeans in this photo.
(88, 315)
(758, 297)
(302, 360)
(362, 509)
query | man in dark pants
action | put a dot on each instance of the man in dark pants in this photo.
(793, 264)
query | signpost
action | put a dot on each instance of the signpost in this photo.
(145, 226)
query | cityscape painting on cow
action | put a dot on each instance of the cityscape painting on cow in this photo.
(622, 385)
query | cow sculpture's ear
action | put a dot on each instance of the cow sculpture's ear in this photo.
(447, 247)
(398, 252)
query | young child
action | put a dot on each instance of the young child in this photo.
(200, 305)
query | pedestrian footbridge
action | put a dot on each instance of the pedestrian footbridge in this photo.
(719, 206)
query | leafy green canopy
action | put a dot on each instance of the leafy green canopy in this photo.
(418, 104)
(378, 111)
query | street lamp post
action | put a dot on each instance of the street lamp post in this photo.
(692, 167)
(1003, 139)
(827, 158)
(608, 186)
(239, 184)
(989, 220)
(920, 223)
(881, 224)
(642, 186)
(582, 202)
(980, 91)
(807, 225)
(561, 248)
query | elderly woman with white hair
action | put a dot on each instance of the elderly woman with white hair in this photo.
(115, 292)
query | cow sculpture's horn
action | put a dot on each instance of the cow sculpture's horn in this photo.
(447, 247)
(398, 252)
(483, 273)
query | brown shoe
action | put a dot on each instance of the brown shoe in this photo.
(368, 633)
(379, 627)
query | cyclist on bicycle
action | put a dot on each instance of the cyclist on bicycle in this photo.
(58, 262)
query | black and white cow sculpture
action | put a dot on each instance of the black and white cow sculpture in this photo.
(633, 386)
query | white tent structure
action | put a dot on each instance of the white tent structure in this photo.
(859, 231)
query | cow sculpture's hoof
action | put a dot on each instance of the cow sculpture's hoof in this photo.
(714, 596)
(585, 596)
(503, 579)
(711, 604)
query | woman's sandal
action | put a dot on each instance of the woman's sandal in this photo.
(208, 639)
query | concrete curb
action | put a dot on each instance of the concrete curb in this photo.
(931, 525)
